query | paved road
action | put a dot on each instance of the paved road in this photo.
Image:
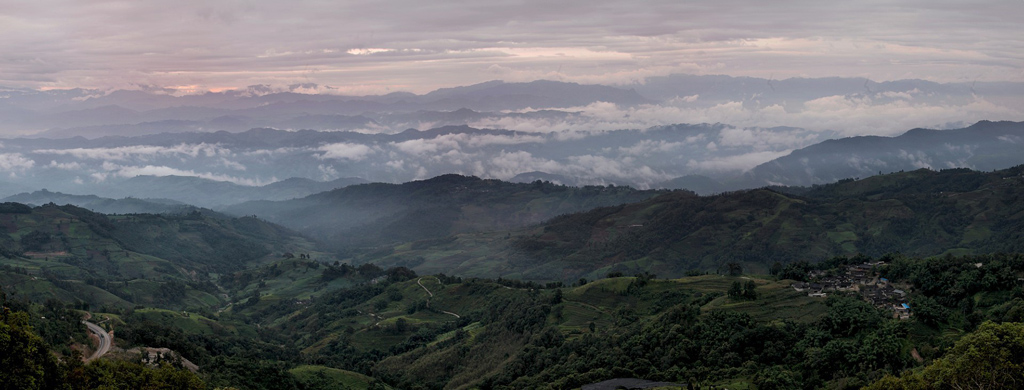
(420, 282)
(105, 340)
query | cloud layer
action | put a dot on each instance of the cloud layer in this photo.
(838, 115)
(640, 157)
(362, 46)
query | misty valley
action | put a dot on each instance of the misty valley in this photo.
(894, 279)
(679, 231)
(511, 195)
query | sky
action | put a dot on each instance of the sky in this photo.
(373, 47)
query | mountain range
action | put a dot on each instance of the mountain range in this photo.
(220, 169)
(370, 215)
(920, 213)
(545, 231)
(93, 113)
(237, 295)
(103, 205)
(983, 146)
(96, 113)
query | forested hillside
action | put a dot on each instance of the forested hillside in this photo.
(441, 332)
(921, 213)
(118, 261)
(29, 361)
(369, 215)
(260, 299)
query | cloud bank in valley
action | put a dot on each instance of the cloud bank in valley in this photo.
(631, 157)
(836, 115)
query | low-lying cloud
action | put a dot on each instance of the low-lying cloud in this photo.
(346, 151)
(15, 162)
(142, 152)
(884, 114)
(155, 170)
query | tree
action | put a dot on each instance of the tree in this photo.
(557, 298)
(847, 316)
(743, 290)
(928, 311)
(26, 361)
(736, 290)
(776, 378)
(35, 240)
(401, 325)
(748, 290)
(991, 357)
(733, 268)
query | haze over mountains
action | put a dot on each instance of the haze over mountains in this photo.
(212, 149)
(452, 195)
(379, 214)
(291, 259)
(819, 104)
(220, 169)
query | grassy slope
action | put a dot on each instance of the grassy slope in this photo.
(366, 325)
(595, 302)
(346, 379)
(600, 302)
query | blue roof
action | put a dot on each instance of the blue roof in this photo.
(906, 306)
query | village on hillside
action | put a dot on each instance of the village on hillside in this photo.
(861, 278)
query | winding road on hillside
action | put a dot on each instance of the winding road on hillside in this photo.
(106, 339)
(420, 282)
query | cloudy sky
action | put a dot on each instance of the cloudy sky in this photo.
(418, 46)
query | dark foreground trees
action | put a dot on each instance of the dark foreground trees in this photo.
(991, 357)
(27, 363)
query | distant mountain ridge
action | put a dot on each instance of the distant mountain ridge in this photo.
(102, 205)
(983, 146)
(634, 157)
(700, 184)
(126, 113)
(706, 158)
(708, 90)
(213, 194)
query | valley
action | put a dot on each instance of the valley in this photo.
(511, 195)
(582, 270)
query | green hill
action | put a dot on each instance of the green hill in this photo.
(74, 254)
(326, 377)
(394, 328)
(104, 205)
(440, 332)
(921, 213)
(369, 215)
(256, 306)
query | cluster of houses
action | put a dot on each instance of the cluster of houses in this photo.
(861, 278)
